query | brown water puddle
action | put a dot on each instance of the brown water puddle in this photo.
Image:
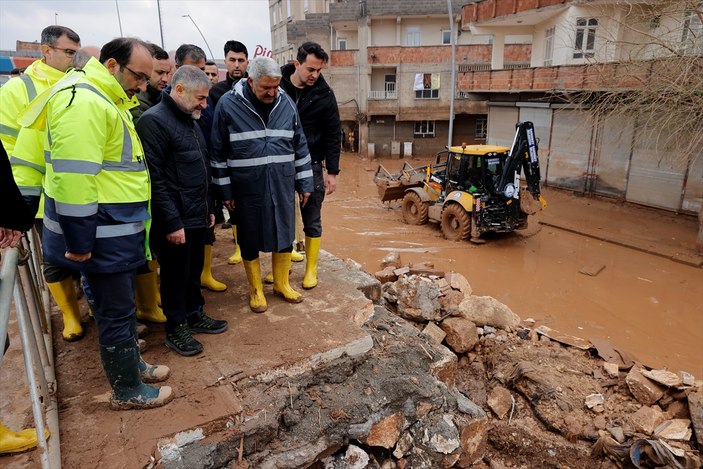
(647, 305)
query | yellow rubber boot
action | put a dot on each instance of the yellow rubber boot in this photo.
(146, 298)
(257, 300)
(295, 256)
(235, 258)
(64, 294)
(17, 442)
(312, 251)
(281, 270)
(269, 278)
(154, 267)
(206, 279)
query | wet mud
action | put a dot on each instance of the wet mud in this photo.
(643, 303)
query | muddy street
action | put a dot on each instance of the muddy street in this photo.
(642, 303)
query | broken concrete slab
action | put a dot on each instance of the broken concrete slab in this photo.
(695, 408)
(646, 391)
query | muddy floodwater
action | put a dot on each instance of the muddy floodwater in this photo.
(642, 303)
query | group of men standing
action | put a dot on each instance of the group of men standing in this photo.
(113, 191)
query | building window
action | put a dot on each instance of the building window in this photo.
(549, 46)
(481, 128)
(426, 86)
(273, 15)
(446, 36)
(423, 129)
(412, 36)
(389, 86)
(341, 43)
(306, 6)
(692, 34)
(290, 10)
(585, 43)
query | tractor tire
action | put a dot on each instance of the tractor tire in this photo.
(455, 223)
(414, 209)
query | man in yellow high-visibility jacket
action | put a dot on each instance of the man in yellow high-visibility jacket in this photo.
(96, 211)
(26, 150)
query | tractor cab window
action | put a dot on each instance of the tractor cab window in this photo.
(455, 163)
(494, 168)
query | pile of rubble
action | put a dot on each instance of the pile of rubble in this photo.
(450, 379)
(545, 402)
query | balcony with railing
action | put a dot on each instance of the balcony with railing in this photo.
(593, 77)
(383, 94)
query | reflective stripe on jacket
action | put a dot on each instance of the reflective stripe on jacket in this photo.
(96, 184)
(16, 94)
(260, 167)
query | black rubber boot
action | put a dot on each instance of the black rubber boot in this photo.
(121, 364)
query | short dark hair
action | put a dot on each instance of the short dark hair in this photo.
(193, 52)
(121, 49)
(157, 52)
(210, 62)
(313, 48)
(236, 46)
(51, 34)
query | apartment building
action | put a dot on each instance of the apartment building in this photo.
(516, 60)
(591, 47)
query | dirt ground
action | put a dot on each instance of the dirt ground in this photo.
(647, 299)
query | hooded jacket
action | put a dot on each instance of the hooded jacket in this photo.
(16, 94)
(96, 184)
(260, 166)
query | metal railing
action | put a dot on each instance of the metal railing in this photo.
(21, 280)
(383, 95)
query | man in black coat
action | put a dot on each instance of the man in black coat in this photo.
(178, 162)
(236, 62)
(319, 114)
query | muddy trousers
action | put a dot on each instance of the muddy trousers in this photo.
(115, 311)
(181, 265)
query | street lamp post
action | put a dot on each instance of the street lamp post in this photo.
(201, 34)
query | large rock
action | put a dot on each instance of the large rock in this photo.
(458, 282)
(487, 311)
(646, 391)
(385, 433)
(500, 401)
(646, 419)
(461, 334)
(695, 408)
(418, 299)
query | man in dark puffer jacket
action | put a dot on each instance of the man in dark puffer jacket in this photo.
(177, 157)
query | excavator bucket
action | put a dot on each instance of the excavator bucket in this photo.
(392, 186)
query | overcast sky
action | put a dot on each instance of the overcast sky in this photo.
(96, 21)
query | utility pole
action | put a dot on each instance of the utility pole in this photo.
(201, 35)
(56, 18)
(453, 85)
(119, 20)
(161, 27)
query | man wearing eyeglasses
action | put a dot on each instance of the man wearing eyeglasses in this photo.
(58, 46)
(96, 211)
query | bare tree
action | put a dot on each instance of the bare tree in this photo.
(656, 79)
